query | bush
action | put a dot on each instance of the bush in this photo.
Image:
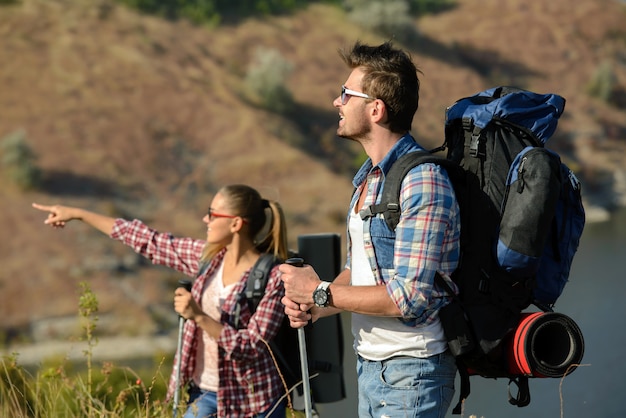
(212, 12)
(422, 7)
(389, 18)
(197, 11)
(603, 82)
(18, 161)
(266, 78)
(393, 18)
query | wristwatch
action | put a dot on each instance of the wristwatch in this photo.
(321, 295)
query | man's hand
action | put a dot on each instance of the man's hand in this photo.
(300, 283)
(298, 318)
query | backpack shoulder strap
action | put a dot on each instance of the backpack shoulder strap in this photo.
(523, 392)
(389, 204)
(257, 279)
(465, 386)
(202, 268)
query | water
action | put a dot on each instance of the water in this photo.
(595, 298)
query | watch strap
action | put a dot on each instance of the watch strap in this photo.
(323, 285)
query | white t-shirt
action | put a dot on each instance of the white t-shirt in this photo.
(379, 338)
(206, 372)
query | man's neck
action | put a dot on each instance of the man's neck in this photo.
(380, 145)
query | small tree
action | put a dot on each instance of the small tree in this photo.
(18, 161)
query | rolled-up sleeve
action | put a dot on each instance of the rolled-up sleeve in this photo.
(426, 241)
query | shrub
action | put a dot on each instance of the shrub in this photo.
(393, 18)
(602, 82)
(390, 17)
(422, 7)
(18, 161)
(212, 12)
(266, 78)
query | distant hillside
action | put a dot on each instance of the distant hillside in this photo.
(140, 117)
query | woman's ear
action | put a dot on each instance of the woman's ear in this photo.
(237, 224)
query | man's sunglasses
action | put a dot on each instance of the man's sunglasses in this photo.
(346, 93)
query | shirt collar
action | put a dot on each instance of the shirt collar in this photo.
(404, 145)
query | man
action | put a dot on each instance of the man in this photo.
(403, 366)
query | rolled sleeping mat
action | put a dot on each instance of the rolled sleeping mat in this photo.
(545, 344)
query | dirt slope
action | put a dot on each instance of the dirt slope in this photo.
(140, 117)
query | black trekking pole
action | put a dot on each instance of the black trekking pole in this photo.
(304, 363)
(181, 322)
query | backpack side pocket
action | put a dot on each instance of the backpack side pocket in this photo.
(528, 208)
(566, 230)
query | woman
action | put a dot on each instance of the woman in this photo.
(229, 369)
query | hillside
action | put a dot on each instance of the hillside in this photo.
(140, 117)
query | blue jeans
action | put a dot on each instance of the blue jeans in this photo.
(406, 386)
(203, 404)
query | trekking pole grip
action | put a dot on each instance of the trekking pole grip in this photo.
(295, 261)
(185, 284)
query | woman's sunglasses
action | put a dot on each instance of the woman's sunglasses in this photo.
(214, 215)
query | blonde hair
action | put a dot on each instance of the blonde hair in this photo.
(246, 202)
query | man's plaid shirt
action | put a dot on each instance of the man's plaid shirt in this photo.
(425, 241)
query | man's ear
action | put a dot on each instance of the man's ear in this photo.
(378, 111)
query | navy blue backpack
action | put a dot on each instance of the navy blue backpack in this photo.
(521, 222)
(537, 204)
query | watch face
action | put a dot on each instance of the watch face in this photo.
(320, 297)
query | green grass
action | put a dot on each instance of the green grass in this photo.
(59, 388)
(62, 389)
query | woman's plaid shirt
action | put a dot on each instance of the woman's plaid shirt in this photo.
(249, 382)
